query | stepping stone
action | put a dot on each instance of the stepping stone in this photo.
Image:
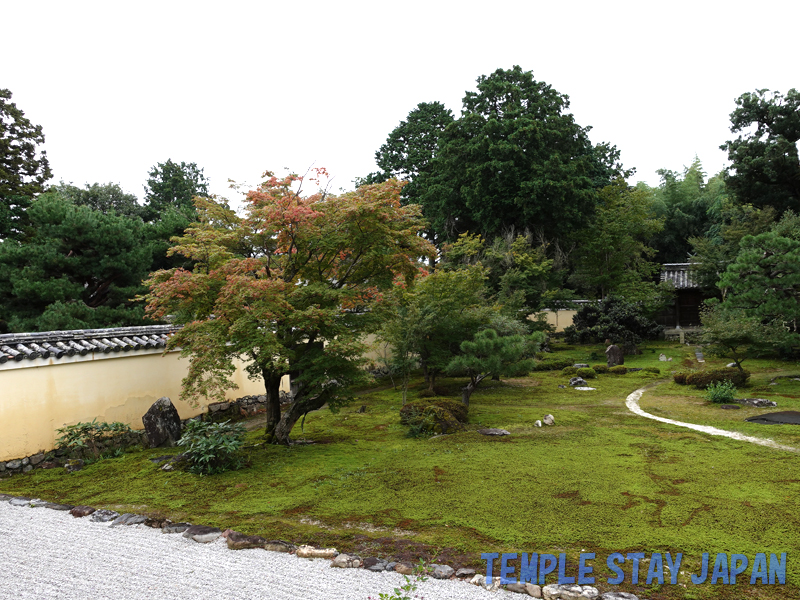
(786, 417)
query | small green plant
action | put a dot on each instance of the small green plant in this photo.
(212, 447)
(720, 392)
(409, 587)
(89, 436)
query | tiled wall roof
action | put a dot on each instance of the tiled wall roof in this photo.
(57, 344)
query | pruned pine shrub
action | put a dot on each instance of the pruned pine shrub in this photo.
(586, 373)
(569, 371)
(212, 447)
(600, 369)
(456, 408)
(618, 370)
(701, 379)
(720, 392)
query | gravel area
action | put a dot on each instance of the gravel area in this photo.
(47, 554)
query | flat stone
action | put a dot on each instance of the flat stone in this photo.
(464, 572)
(175, 527)
(128, 519)
(279, 546)
(241, 541)
(580, 366)
(202, 534)
(618, 596)
(20, 502)
(103, 515)
(786, 417)
(374, 564)
(38, 503)
(757, 402)
(442, 571)
(584, 388)
(404, 568)
(493, 431)
(311, 552)
(533, 590)
(730, 406)
(346, 561)
(54, 506)
(82, 511)
(517, 588)
(37, 458)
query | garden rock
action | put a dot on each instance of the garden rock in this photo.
(618, 596)
(757, 402)
(128, 519)
(404, 568)
(54, 506)
(580, 366)
(375, 564)
(202, 534)
(729, 406)
(493, 431)
(464, 572)
(442, 571)
(478, 580)
(82, 511)
(162, 424)
(663, 358)
(584, 388)
(72, 465)
(548, 420)
(14, 464)
(279, 546)
(517, 588)
(20, 502)
(103, 516)
(343, 561)
(175, 527)
(311, 552)
(537, 423)
(241, 541)
(578, 381)
(614, 356)
(533, 590)
(37, 458)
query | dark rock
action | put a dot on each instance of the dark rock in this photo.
(5, 497)
(240, 541)
(54, 506)
(442, 571)
(562, 387)
(27, 468)
(279, 546)
(26, 461)
(48, 464)
(363, 408)
(175, 527)
(162, 424)
(580, 366)
(463, 572)
(757, 402)
(14, 464)
(578, 382)
(128, 519)
(634, 369)
(103, 515)
(786, 417)
(730, 406)
(155, 522)
(202, 533)
(375, 564)
(493, 431)
(72, 465)
(614, 356)
(37, 458)
(82, 511)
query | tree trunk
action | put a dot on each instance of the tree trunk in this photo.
(299, 407)
(272, 384)
(466, 391)
(432, 380)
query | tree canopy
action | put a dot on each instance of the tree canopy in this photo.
(24, 168)
(173, 185)
(290, 289)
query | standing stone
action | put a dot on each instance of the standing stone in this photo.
(614, 356)
(162, 424)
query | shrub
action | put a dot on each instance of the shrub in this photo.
(454, 407)
(569, 371)
(680, 377)
(212, 447)
(586, 373)
(653, 370)
(720, 392)
(552, 365)
(90, 438)
(701, 379)
(600, 368)
(612, 318)
(618, 370)
(426, 393)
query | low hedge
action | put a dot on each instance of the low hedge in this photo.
(569, 371)
(587, 373)
(457, 409)
(551, 365)
(618, 370)
(600, 368)
(701, 379)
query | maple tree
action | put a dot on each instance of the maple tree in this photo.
(291, 288)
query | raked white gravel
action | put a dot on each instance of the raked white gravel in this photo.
(49, 554)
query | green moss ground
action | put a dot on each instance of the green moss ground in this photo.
(600, 480)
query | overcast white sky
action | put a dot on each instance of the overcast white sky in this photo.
(241, 87)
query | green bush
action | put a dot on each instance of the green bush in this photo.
(212, 447)
(680, 377)
(618, 370)
(569, 371)
(426, 393)
(701, 379)
(600, 368)
(455, 408)
(720, 392)
(552, 365)
(89, 439)
(587, 373)
(653, 370)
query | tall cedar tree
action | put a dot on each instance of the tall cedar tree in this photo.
(173, 185)
(290, 289)
(23, 169)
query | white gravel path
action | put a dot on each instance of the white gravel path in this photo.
(49, 554)
(632, 403)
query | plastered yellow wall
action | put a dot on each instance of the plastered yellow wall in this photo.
(558, 319)
(37, 400)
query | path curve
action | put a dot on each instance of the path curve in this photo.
(632, 402)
